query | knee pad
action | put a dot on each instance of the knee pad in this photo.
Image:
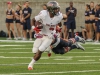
(42, 48)
(34, 49)
(48, 49)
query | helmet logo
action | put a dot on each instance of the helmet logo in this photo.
(50, 4)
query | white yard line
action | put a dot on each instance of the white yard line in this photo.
(21, 41)
(97, 49)
(86, 60)
(22, 57)
(79, 63)
(92, 47)
(16, 41)
(10, 45)
(63, 57)
(46, 52)
(45, 73)
(84, 52)
(15, 48)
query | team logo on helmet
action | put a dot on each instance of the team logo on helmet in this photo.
(52, 6)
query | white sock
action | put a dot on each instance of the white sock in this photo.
(32, 62)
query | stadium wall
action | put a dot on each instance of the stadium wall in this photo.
(36, 6)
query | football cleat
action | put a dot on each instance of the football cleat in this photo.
(78, 46)
(30, 68)
(82, 40)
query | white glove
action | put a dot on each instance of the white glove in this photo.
(33, 27)
(50, 36)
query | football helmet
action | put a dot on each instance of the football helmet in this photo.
(52, 6)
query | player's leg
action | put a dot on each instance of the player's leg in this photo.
(35, 49)
(44, 45)
(63, 50)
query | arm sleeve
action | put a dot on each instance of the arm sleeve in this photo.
(40, 16)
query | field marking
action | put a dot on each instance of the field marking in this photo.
(84, 52)
(10, 45)
(46, 52)
(86, 60)
(62, 72)
(21, 41)
(92, 47)
(79, 63)
(16, 41)
(97, 49)
(63, 57)
(15, 48)
(16, 52)
(22, 57)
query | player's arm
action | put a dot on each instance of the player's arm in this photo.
(75, 13)
(29, 14)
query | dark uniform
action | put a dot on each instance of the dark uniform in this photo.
(98, 22)
(92, 12)
(27, 24)
(87, 14)
(59, 45)
(18, 13)
(9, 12)
(71, 23)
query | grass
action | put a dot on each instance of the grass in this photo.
(14, 60)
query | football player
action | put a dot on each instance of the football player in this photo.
(49, 19)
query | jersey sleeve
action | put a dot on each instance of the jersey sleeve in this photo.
(60, 17)
(67, 9)
(30, 11)
(41, 15)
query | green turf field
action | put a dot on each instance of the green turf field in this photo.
(15, 56)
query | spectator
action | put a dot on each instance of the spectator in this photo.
(21, 18)
(26, 20)
(71, 23)
(97, 18)
(10, 15)
(44, 7)
(96, 9)
(92, 20)
(17, 19)
(87, 22)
